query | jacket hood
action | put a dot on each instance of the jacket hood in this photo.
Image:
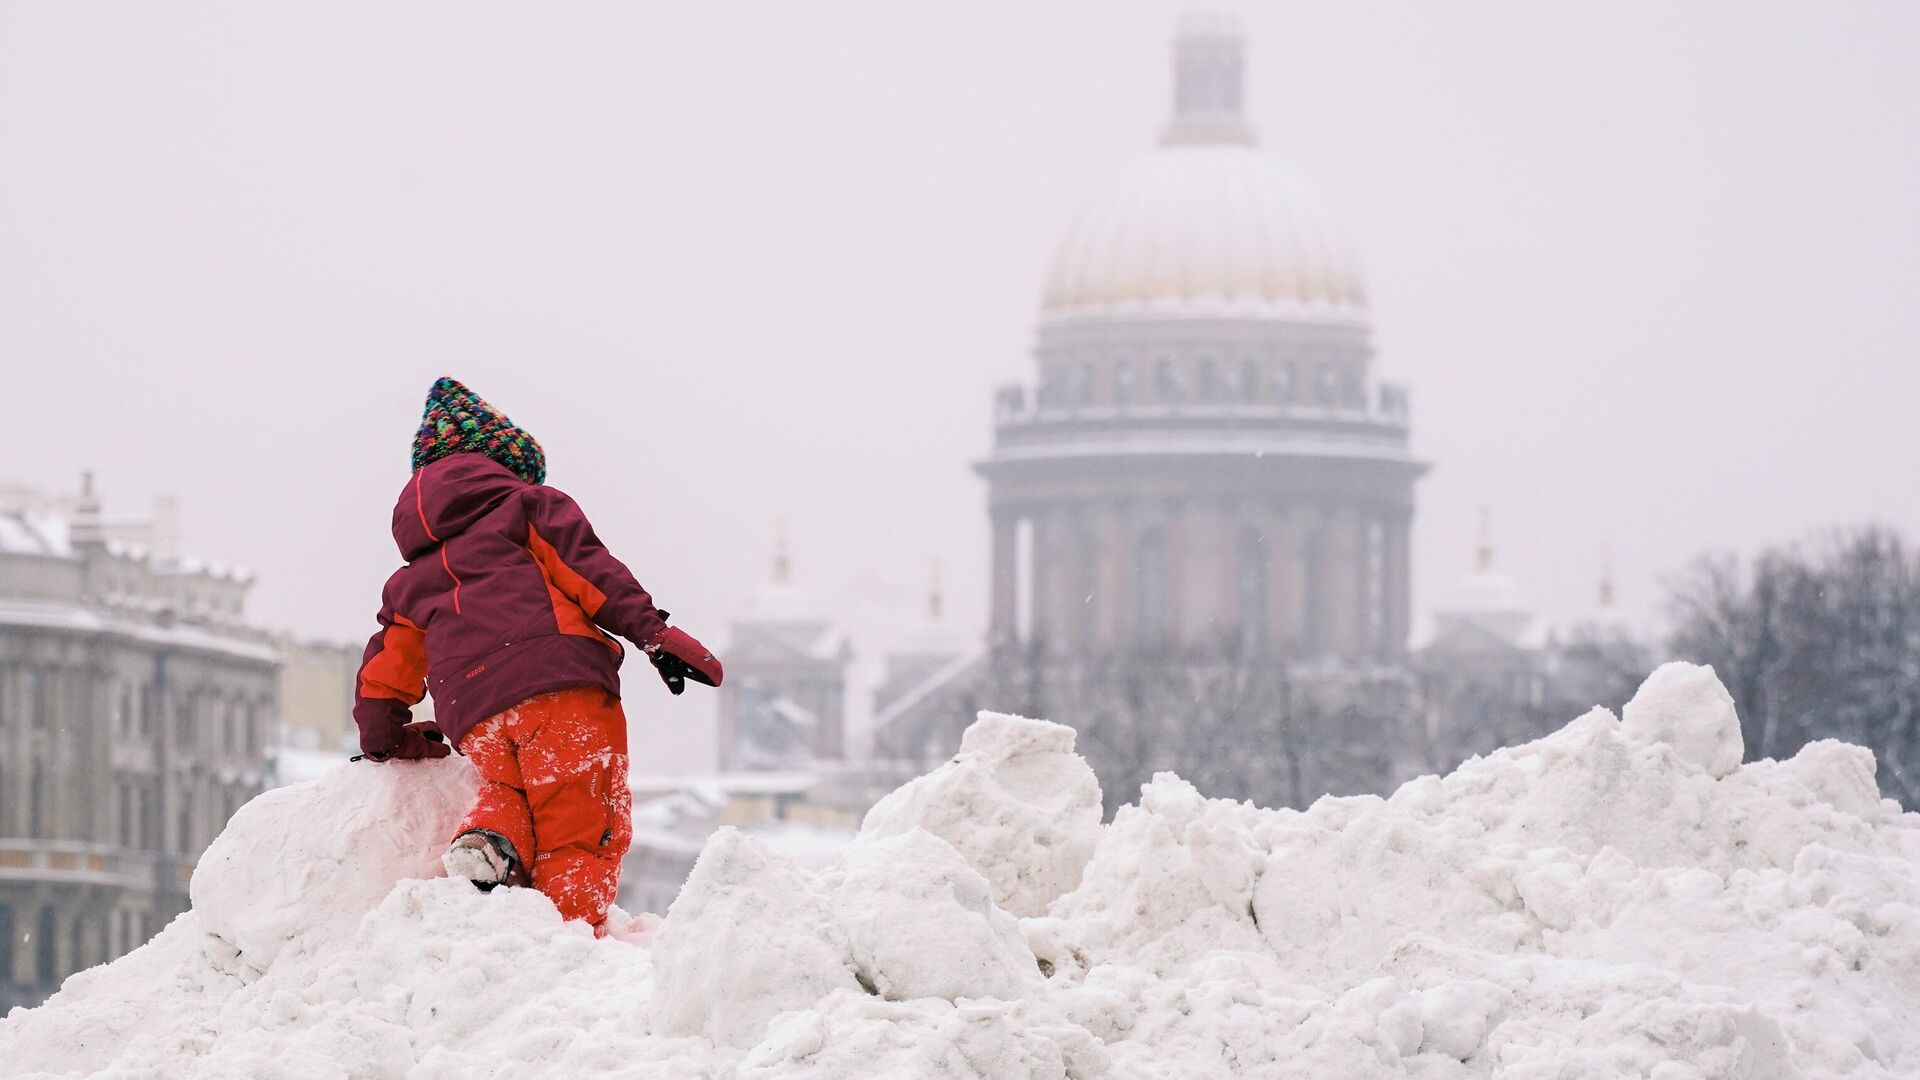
(443, 499)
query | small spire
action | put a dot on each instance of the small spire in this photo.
(86, 527)
(1209, 66)
(1483, 557)
(782, 562)
(1606, 581)
(936, 603)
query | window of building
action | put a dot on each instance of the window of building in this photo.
(1248, 385)
(1251, 590)
(1123, 381)
(1085, 387)
(123, 794)
(6, 943)
(37, 803)
(33, 689)
(147, 823)
(46, 954)
(1206, 380)
(1166, 382)
(1283, 382)
(79, 956)
(1150, 585)
(1326, 385)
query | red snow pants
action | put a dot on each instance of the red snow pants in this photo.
(553, 781)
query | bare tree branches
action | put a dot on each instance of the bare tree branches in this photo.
(1820, 640)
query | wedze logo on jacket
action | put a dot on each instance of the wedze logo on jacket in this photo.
(504, 596)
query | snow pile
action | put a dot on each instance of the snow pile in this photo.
(1016, 801)
(1618, 899)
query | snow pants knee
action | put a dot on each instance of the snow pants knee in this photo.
(553, 782)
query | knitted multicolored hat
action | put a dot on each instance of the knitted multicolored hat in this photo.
(457, 421)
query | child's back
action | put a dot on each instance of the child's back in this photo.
(502, 611)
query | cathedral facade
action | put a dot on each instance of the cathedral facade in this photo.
(1206, 458)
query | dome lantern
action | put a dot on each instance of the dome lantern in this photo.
(1209, 66)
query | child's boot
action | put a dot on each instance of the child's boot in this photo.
(485, 858)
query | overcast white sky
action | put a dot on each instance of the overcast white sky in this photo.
(1650, 269)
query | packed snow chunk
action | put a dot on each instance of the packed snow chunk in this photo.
(922, 922)
(750, 936)
(304, 863)
(1685, 706)
(1016, 802)
(1839, 774)
(854, 1035)
(1172, 877)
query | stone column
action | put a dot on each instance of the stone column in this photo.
(1114, 602)
(1296, 580)
(1399, 583)
(1343, 556)
(1006, 576)
(1177, 575)
(1211, 572)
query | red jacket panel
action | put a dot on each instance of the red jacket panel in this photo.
(506, 593)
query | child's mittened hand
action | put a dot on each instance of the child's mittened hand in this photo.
(677, 656)
(417, 741)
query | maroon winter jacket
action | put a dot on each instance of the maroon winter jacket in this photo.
(504, 594)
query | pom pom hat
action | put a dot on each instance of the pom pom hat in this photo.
(457, 421)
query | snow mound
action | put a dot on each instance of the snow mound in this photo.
(347, 837)
(1604, 902)
(750, 936)
(922, 923)
(1685, 706)
(1016, 802)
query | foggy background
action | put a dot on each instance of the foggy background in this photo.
(1649, 270)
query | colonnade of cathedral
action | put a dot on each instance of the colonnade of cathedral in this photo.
(1283, 578)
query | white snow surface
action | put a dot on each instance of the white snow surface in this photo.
(1016, 801)
(1604, 902)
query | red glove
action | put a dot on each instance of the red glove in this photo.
(678, 657)
(417, 740)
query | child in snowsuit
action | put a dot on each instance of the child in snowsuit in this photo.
(500, 612)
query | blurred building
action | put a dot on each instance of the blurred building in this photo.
(929, 653)
(784, 702)
(807, 815)
(1207, 458)
(137, 712)
(318, 680)
(1493, 672)
(1201, 509)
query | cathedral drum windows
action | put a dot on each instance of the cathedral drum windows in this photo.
(1166, 381)
(1283, 382)
(1206, 380)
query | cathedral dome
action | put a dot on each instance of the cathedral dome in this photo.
(1207, 222)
